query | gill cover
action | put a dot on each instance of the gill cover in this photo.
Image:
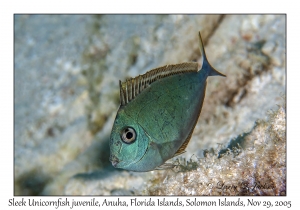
(128, 142)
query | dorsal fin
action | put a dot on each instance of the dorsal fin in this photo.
(186, 142)
(134, 86)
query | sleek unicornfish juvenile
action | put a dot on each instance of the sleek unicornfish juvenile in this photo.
(158, 113)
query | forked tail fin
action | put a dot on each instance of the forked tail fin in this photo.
(206, 65)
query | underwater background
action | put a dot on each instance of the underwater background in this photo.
(66, 94)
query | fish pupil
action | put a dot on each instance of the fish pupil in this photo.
(129, 135)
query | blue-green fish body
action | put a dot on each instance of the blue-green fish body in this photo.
(158, 113)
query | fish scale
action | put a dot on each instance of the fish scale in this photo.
(158, 113)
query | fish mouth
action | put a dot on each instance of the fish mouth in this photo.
(114, 161)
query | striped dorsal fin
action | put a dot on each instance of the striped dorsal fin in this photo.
(134, 86)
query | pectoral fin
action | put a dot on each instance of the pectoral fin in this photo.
(165, 166)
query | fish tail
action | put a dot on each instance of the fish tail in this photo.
(206, 65)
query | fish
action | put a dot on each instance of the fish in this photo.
(157, 114)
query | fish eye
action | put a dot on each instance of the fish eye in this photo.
(128, 135)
